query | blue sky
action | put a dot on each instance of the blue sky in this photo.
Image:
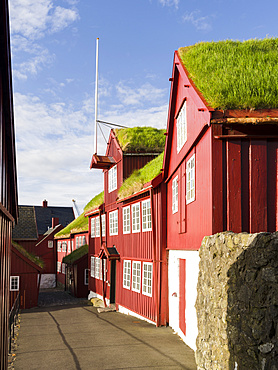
(53, 58)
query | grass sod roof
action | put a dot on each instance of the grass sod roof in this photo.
(78, 225)
(135, 182)
(233, 74)
(39, 262)
(141, 139)
(76, 254)
(95, 202)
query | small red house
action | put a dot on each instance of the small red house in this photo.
(220, 169)
(126, 256)
(25, 277)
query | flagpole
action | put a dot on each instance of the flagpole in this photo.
(96, 96)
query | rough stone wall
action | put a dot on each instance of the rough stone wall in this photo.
(237, 302)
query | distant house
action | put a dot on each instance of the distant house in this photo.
(220, 163)
(67, 240)
(126, 258)
(77, 272)
(25, 277)
(8, 189)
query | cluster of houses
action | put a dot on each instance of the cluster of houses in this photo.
(136, 244)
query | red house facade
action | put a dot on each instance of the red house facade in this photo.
(127, 261)
(220, 169)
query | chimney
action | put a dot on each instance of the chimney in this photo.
(55, 221)
(44, 204)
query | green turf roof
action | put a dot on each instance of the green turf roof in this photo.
(38, 261)
(78, 225)
(95, 202)
(135, 182)
(75, 255)
(141, 139)
(234, 74)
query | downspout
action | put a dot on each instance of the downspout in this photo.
(157, 305)
(102, 264)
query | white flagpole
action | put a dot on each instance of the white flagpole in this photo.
(96, 96)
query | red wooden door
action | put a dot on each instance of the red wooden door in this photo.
(182, 296)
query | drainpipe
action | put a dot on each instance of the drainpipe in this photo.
(102, 264)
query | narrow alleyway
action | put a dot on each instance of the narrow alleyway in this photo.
(76, 336)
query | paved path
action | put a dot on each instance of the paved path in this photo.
(78, 337)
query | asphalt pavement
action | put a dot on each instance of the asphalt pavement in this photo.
(76, 336)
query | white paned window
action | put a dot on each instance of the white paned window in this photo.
(69, 246)
(181, 127)
(126, 220)
(59, 246)
(103, 225)
(86, 276)
(93, 229)
(14, 283)
(93, 266)
(126, 274)
(175, 195)
(97, 227)
(136, 218)
(147, 278)
(63, 268)
(83, 240)
(50, 244)
(97, 268)
(58, 266)
(136, 276)
(113, 223)
(77, 242)
(80, 241)
(190, 180)
(146, 215)
(112, 179)
(64, 246)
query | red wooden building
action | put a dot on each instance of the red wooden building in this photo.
(127, 258)
(220, 168)
(25, 277)
(8, 189)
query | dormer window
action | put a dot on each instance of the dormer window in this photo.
(181, 127)
(112, 179)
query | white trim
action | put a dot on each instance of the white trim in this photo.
(93, 227)
(126, 311)
(93, 264)
(113, 223)
(136, 217)
(181, 124)
(50, 244)
(190, 180)
(146, 215)
(103, 222)
(14, 283)
(97, 227)
(112, 179)
(175, 195)
(69, 250)
(63, 268)
(126, 220)
(126, 274)
(136, 276)
(59, 266)
(147, 279)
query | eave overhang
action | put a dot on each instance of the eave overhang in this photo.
(102, 162)
(110, 253)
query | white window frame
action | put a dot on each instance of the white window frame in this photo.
(147, 279)
(93, 264)
(146, 215)
(93, 228)
(69, 250)
(112, 179)
(97, 268)
(136, 276)
(190, 179)
(181, 124)
(64, 246)
(126, 220)
(126, 274)
(113, 223)
(50, 244)
(97, 227)
(86, 276)
(175, 195)
(136, 217)
(14, 283)
(59, 266)
(83, 240)
(59, 244)
(76, 242)
(63, 268)
(103, 219)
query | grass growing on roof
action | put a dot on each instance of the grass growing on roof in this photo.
(79, 224)
(75, 255)
(29, 255)
(234, 74)
(95, 202)
(141, 139)
(138, 178)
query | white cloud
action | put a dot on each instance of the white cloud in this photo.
(62, 17)
(174, 3)
(199, 22)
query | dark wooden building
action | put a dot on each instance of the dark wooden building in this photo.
(8, 189)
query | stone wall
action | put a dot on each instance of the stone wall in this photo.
(237, 302)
